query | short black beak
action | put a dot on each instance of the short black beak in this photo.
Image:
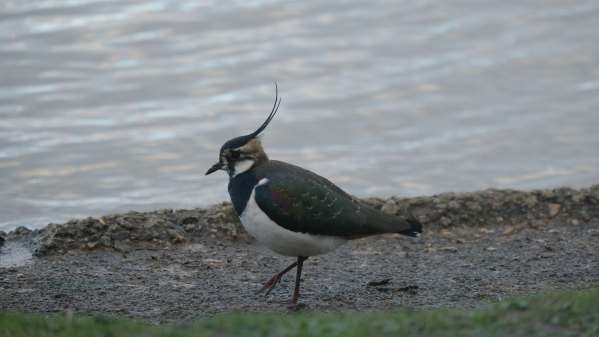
(214, 168)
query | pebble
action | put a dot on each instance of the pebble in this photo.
(445, 221)
(390, 207)
(449, 249)
(509, 230)
(554, 209)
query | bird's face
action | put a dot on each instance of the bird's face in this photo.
(241, 154)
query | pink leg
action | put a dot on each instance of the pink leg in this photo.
(272, 283)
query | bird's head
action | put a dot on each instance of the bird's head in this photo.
(243, 153)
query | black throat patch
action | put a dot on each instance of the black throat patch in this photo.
(240, 189)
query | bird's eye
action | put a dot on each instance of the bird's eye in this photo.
(235, 154)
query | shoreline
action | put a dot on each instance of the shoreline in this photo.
(172, 266)
(167, 227)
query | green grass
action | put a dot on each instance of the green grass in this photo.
(572, 313)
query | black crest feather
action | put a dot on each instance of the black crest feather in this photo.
(272, 114)
(241, 140)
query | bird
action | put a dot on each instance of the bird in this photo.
(293, 211)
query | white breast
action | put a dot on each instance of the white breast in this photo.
(281, 240)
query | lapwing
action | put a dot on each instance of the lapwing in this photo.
(293, 211)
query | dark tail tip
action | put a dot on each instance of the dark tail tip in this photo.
(415, 228)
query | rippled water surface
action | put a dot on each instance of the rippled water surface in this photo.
(107, 106)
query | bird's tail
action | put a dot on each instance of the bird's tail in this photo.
(415, 228)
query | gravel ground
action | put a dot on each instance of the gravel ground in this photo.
(213, 266)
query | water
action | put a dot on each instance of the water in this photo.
(15, 254)
(107, 106)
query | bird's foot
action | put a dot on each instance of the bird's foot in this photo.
(270, 284)
(294, 307)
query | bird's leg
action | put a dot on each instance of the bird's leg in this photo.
(298, 276)
(271, 284)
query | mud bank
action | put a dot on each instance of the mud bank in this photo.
(183, 264)
(167, 227)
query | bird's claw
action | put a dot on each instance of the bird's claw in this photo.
(269, 285)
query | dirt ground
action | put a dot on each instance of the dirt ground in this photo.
(456, 265)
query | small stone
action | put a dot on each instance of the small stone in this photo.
(453, 204)
(189, 220)
(554, 209)
(105, 241)
(508, 230)
(213, 262)
(578, 197)
(120, 235)
(490, 249)
(172, 233)
(445, 233)
(531, 201)
(474, 206)
(21, 230)
(390, 207)
(450, 249)
(178, 238)
(575, 222)
(445, 221)
(537, 223)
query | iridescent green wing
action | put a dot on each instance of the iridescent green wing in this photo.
(302, 201)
